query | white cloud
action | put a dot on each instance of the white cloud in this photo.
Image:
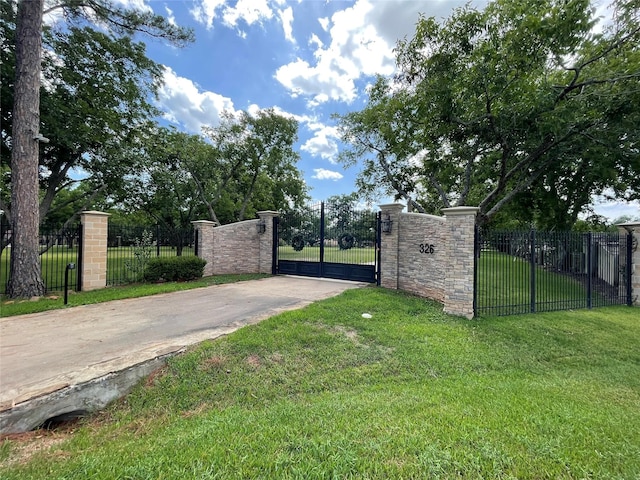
(184, 103)
(286, 17)
(314, 40)
(324, 143)
(322, 174)
(356, 50)
(171, 17)
(362, 40)
(249, 11)
(205, 12)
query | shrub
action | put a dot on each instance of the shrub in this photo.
(171, 269)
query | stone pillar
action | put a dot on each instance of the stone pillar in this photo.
(266, 240)
(634, 229)
(204, 228)
(95, 230)
(389, 245)
(458, 286)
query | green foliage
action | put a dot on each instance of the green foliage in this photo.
(409, 393)
(174, 269)
(143, 249)
(518, 106)
(248, 166)
(95, 99)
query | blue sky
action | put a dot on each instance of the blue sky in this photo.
(305, 58)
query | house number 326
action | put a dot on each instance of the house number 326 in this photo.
(427, 248)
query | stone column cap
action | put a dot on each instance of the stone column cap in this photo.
(203, 222)
(452, 211)
(392, 206)
(95, 212)
(268, 213)
(628, 225)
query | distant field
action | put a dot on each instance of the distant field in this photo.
(356, 255)
(121, 265)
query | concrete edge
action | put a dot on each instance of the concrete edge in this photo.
(85, 397)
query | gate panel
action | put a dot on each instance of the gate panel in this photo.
(328, 240)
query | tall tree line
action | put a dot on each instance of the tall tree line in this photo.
(523, 109)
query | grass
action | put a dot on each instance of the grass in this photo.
(410, 393)
(504, 287)
(55, 300)
(355, 255)
(122, 266)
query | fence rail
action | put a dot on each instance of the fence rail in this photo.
(520, 272)
(58, 248)
(130, 248)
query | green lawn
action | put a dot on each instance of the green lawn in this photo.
(504, 287)
(410, 393)
(355, 255)
(122, 266)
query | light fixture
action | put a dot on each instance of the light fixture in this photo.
(386, 224)
(262, 226)
(70, 266)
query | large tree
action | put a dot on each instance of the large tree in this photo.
(25, 279)
(521, 106)
(247, 164)
(24, 211)
(254, 166)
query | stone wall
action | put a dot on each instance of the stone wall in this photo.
(430, 256)
(423, 255)
(238, 247)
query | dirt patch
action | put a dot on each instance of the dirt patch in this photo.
(24, 446)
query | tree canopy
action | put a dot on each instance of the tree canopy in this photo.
(523, 107)
(23, 128)
(244, 165)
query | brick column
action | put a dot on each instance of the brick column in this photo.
(95, 229)
(634, 228)
(266, 240)
(458, 285)
(389, 246)
(205, 243)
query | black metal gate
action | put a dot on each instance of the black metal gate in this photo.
(328, 240)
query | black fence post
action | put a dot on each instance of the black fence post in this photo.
(79, 259)
(274, 247)
(322, 233)
(476, 254)
(628, 268)
(589, 269)
(378, 246)
(532, 266)
(157, 240)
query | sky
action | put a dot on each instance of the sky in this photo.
(306, 58)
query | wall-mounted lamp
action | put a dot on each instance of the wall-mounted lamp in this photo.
(386, 224)
(41, 138)
(261, 226)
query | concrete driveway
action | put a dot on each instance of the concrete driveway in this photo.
(46, 352)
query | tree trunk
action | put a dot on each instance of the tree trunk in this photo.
(25, 275)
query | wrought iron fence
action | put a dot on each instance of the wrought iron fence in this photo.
(130, 248)
(59, 247)
(520, 272)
